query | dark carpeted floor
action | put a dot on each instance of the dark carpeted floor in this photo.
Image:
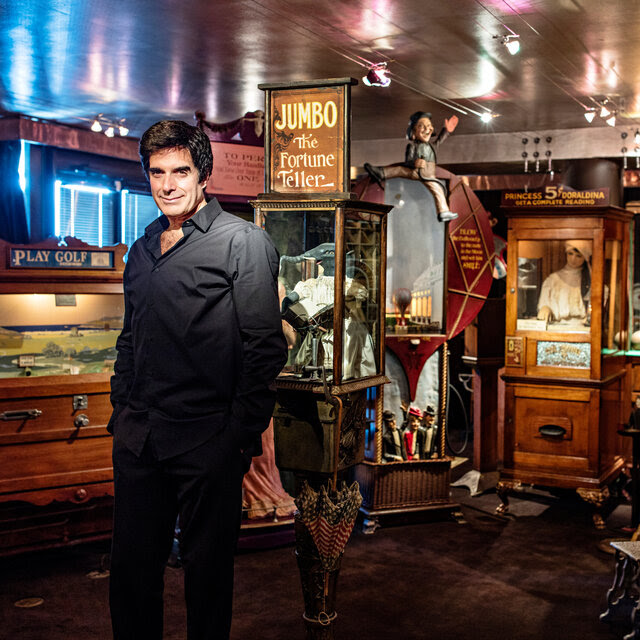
(537, 574)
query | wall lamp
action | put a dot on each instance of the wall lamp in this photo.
(377, 76)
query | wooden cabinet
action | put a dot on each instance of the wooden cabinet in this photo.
(566, 332)
(61, 311)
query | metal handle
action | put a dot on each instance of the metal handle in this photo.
(20, 414)
(553, 430)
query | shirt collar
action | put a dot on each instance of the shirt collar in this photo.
(201, 219)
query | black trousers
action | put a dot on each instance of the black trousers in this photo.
(203, 487)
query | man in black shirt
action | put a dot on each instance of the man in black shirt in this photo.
(192, 391)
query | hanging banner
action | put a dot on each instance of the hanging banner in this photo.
(307, 137)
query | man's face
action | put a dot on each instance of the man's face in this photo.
(392, 424)
(174, 183)
(422, 130)
(428, 419)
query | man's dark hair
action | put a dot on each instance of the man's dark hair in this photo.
(176, 134)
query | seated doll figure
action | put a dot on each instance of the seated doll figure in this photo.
(565, 293)
(431, 429)
(393, 449)
(415, 436)
(420, 160)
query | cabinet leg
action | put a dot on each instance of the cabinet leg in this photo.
(597, 498)
(503, 488)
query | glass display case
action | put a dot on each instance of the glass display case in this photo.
(331, 286)
(416, 263)
(54, 334)
(566, 334)
(61, 311)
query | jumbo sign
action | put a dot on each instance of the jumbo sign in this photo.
(307, 137)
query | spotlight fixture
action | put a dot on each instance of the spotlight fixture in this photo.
(511, 42)
(636, 137)
(611, 120)
(108, 126)
(486, 116)
(589, 115)
(604, 112)
(377, 76)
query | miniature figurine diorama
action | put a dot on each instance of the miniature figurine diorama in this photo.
(415, 436)
(420, 160)
(393, 448)
(58, 334)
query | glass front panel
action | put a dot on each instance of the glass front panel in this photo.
(362, 241)
(612, 296)
(415, 261)
(554, 285)
(305, 240)
(635, 284)
(46, 334)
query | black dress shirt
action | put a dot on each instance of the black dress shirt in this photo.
(202, 337)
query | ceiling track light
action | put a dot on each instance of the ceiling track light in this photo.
(101, 124)
(589, 115)
(604, 111)
(611, 120)
(511, 42)
(377, 76)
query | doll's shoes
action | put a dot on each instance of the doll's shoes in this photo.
(445, 216)
(375, 172)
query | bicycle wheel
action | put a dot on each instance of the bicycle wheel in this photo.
(457, 425)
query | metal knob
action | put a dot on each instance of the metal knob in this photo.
(81, 421)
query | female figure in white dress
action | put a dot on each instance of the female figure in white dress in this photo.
(566, 293)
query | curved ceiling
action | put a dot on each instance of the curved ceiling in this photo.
(69, 60)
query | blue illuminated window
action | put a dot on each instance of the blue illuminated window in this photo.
(138, 210)
(85, 212)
